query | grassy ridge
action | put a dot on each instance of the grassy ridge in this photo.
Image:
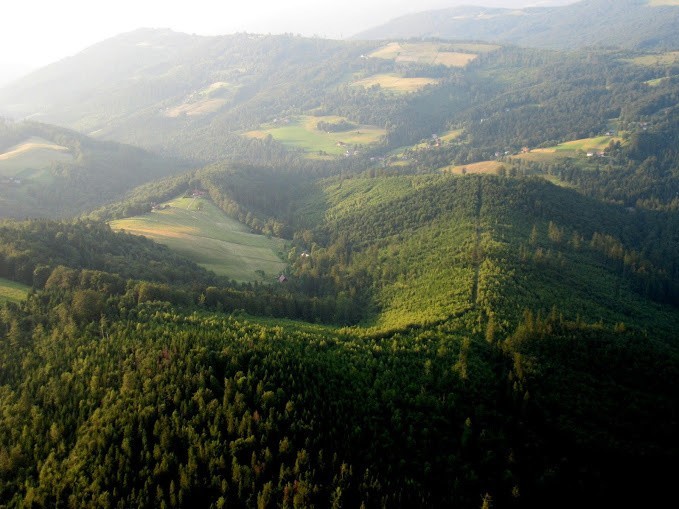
(11, 291)
(195, 228)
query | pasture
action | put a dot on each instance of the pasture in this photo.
(575, 148)
(480, 168)
(302, 132)
(32, 158)
(196, 228)
(203, 102)
(428, 53)
(656, 59)
(395, 83)
(11, 291)
(451, 135)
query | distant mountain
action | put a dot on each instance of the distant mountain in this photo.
(639, 24)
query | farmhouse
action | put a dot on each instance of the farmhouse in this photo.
(282, 278)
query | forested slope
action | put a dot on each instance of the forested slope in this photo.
(147, 404)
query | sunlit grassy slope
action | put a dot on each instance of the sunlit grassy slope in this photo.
(482, 167)
(654, 59)
(431, 53)
(395, 83)
(570, 148)
(11, 291)
(196, 228)
(32, 158)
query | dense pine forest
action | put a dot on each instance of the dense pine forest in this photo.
(479, 305)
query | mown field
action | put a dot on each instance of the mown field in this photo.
(11, 291)
(302, 132)
(395, 83)
(661, 59)
(483, 167)
(570, 149)
(429, 53)
(196, 228)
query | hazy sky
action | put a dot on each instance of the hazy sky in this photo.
(34, 33)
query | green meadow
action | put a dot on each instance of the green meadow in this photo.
(302, 132)
(570, 149)
(656, 59)
(11, 291)
(196, 228)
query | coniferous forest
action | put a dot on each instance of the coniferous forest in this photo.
(478, 308)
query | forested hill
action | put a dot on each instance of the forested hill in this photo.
(158, 88)
(273, 99)
(638, 24)
(49, 171)
(508, 319)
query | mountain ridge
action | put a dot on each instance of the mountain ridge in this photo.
(582, 24)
